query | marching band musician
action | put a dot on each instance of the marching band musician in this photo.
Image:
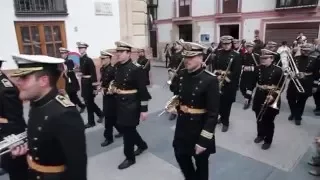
(176, 58)
(72, 83)
(11, 122)
(56, 144)
(145, 65)
(272, 46)
(132, 103)
(198, 92)
(109, 109)
(250, 61)
(308, 68)
(227, 64)
(238, 46)
(269, 79)
(89, 84)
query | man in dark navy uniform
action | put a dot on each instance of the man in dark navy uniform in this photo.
(198, 95)
(132, 98)
(308, 68)
(89, 84)
(72, 83)
(269, 80)
(250, 61)
(109, 108)
(56, 147)
(11, 122)
(145, 65)
(227, 67)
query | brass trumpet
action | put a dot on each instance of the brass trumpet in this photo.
(173, 72)
(274, 105)
(171, 105)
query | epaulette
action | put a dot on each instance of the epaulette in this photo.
(6, 83)
(256, 54)
(236, 51)
(64, 101)
(137, 64)
(210, 73)
(312, 56)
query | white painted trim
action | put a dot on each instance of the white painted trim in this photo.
(217, 39)
(285, 22)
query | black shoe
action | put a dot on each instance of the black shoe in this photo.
(126, 163)
(140, 151)
(119, 135)
(89, 125)
(172, 117)
(246, 105)
(265, 146)
(219, 120)
(291, 117)
(314, 161)
(258, 139)
(314, 172)
(297, 122)
(106, 143)
(100, 120)
(2, 172)
(82, 109)
(224, 128)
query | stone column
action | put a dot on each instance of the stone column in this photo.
(133, 22)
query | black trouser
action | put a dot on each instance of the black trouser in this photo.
(245, 85)
(17, 167)
(199, 171)
(167, 60)
(109, 123)
(297, 102)
(265, 127)
(92, 108)
(316, 97)
(225, 110)
(74, 98)
(131, 137)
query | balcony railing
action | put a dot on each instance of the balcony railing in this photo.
(40, 7)
(291, 4)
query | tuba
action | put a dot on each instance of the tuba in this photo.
(171, 105)
(11, 141)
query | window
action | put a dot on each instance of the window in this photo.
(41, 37)
(184, 8)
(27, 7)
(284, 4)
(230, 6)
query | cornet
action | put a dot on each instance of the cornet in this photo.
(12, 141)
(171, 105)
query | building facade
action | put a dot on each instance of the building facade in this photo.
(42, 26)
(206, 20)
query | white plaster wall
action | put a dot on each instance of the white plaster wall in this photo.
(203, 7)
(206, 27)
(164, 33)
(100, 32)
(249, 25)
(165, 9)
(258, 5)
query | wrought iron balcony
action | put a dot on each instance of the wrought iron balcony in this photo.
(40, 7)
(291, 4)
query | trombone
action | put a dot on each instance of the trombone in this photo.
(224, 76)
(173, 72)
(294, 73)
(274, 105)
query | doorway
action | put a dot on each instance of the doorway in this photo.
(185, 32)
(232, 30)
(153, 43)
